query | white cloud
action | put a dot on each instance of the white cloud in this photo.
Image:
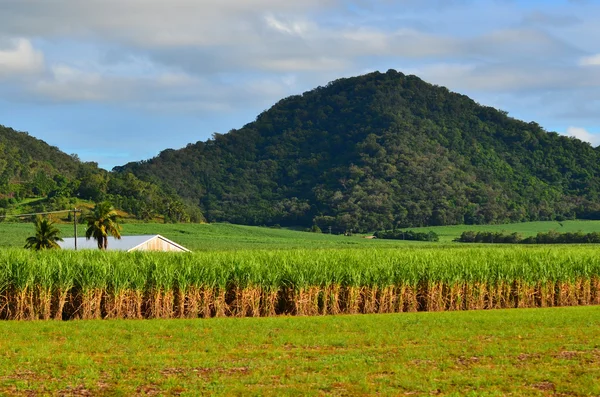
(593, 60)
(190, 53)
(159, 91)
(302, 64)
(20, 58)
(584, 135)
(503, 77)
(66, 84)
(298, 27)
(152, 22)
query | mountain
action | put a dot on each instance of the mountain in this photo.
(379, 151)
(30, 168)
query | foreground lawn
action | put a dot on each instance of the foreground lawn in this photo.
(522, 351)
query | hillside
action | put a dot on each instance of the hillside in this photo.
(35, 176)
(379, 151)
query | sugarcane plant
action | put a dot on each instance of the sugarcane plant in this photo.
(65, 284)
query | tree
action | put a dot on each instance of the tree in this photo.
(101, 222)
(46, 235)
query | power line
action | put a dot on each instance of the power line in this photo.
(38, 213)
(74, 211)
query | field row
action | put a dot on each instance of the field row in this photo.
(65, 285)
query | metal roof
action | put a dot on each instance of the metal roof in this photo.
(126, 243)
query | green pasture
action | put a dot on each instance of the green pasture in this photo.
(449, 233)
(220, 236)
(527, 352)
(209, 237)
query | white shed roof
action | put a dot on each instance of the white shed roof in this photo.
(126, 243)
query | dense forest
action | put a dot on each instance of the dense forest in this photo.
(381, 151)
(30, 167)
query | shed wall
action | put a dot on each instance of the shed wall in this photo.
(156, 244)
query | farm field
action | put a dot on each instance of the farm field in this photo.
(528, 352)
(93, 284)
(209, 237)
(449, 233)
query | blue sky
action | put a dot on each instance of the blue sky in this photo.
(120, 80)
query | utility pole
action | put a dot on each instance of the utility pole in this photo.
(75, 211)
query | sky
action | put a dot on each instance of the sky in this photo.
(115, 81)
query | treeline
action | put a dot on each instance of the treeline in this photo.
(379, 152)
(407, 235)
(30, 168)
(551, 237)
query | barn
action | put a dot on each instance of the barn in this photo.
(127, 243)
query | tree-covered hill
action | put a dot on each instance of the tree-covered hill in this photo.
(378, 151)
(29, 167)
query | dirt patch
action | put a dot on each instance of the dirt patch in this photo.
(468, 360)
(243, 370)
(382, 375)
(203, 371)
(545, 386)
(75, 391)
(175, 371)
(423, 362)
(527, 357)
(12, 391)
(103, 383)
(21, 375)
(569, 355)
(148, 390)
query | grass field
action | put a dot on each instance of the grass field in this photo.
(529, 352)
(208, 237)
(449, 233)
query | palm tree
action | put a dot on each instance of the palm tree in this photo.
(46, 235)
(101, 222)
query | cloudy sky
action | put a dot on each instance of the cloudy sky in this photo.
(119, 80)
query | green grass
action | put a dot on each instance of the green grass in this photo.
(33, 204)
(449, 233)
(208, 237)
(522, 352)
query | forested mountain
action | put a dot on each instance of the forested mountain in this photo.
(30, 167)
(379, 151)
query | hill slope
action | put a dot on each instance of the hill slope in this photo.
(378, 151)
(29, 167)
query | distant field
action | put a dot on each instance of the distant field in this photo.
(208, 237)
(527, 352)
(449, 233)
